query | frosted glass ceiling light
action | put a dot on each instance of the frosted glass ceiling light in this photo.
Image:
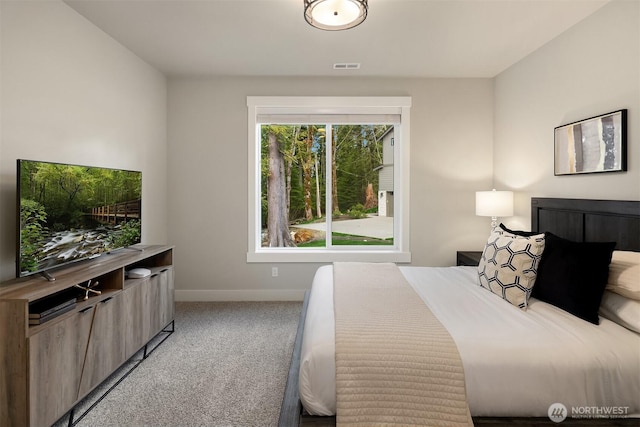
(335, 15)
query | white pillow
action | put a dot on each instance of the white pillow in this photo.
(624, 311)
(624, 274)
(509, 265)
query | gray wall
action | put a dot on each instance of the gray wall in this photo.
(451, 158)
(71, 94)
(591, 69)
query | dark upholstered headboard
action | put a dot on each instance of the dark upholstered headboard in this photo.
(584, 220)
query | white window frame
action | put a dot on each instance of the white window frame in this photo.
(321, 105)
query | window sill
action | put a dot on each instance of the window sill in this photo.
(281, 255)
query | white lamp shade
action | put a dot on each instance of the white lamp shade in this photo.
(494, 203)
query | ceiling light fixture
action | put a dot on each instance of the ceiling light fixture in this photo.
(333, 15)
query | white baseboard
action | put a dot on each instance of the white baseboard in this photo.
(239, 295)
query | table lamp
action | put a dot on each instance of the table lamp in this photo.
(494, 204)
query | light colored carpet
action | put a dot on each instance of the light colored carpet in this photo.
(226, 365)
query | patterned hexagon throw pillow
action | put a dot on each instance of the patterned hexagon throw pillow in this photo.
(509, 265)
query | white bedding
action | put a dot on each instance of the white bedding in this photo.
(517, 363)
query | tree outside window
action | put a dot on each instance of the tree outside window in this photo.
(295, 165)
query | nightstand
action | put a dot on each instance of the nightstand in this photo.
(469, 258)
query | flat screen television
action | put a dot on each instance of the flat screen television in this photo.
(68, 213)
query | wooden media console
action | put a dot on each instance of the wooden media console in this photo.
(47, 368)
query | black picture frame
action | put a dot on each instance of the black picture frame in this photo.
(594, 145)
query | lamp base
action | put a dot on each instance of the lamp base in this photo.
(494, 222)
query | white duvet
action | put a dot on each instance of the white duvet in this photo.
(516, 363)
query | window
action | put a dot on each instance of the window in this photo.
(328, 179)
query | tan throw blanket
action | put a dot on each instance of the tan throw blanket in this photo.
(396, 365)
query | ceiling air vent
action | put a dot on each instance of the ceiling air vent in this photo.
(346, 66)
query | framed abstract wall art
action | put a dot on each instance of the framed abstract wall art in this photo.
(597, 144)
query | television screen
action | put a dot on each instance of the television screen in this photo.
(67, 213)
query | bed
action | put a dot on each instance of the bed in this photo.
(516, 362)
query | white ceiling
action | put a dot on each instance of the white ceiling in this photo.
(400, 38)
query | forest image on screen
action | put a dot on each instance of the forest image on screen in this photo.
(71, 212)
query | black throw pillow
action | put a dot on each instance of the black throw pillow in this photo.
(519, 232)
(573, 275)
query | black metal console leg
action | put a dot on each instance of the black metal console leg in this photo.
(147, 351)
(71, 417)
(173, 327)
(166, 331)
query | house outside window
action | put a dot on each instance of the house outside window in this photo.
(328, 179)
(385, 175)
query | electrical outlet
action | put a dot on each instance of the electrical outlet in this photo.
(274, 271)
